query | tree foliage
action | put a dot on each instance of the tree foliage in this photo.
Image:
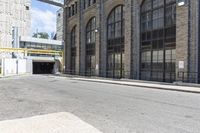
(43, 35)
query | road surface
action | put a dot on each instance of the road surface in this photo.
(107, 107)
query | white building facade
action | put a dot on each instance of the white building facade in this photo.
(14, 14)
(59, 25)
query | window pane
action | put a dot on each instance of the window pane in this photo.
(118, 29)
(115, 23)
(118, 14)
(146, 5)
(158, 3)
(90, 47)
(158, 20)
(170, 15)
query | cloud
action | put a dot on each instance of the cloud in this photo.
(43, 20)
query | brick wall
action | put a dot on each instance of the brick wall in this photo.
(186, 37)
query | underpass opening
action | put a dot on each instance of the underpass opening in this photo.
(43, 67)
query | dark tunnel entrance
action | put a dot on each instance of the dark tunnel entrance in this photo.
(43, 67)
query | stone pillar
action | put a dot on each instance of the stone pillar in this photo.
(98, 34)
(81, 40)
(182, 39)
(193, 40)
(103, 41)
(198, 42)
(136, 39)
(78, 40)
(127, 34)
(66, 40)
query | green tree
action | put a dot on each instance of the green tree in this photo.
(43, 35)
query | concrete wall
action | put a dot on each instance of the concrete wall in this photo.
(16, 67)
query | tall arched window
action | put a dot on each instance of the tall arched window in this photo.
(115, 43)
(73, 50)
(158, 40)
(90, 47)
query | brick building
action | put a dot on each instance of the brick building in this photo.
(155, 40)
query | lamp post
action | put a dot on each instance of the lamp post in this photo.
(181, 2)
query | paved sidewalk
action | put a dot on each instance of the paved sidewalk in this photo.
(52, 123)
(153, 85)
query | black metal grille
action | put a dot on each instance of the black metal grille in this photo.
(188, 77)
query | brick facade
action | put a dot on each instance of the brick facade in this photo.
(187, 37)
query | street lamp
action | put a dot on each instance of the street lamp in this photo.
(181, 2)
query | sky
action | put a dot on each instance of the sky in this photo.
(43, 17)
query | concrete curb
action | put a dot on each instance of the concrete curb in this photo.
(10, 76)
(152, 85)
(146, 86)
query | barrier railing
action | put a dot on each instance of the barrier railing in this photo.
(95, 73)
(157, 75)
(32, 51)
(189, 77)
(170, 77)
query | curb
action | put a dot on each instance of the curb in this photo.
(11, 76)
(157, 88)
(139, 84)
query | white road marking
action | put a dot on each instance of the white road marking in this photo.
(52, 123)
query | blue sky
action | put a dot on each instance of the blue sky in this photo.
(43, 17)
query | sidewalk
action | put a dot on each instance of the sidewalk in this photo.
(62, 122)
(183, 87)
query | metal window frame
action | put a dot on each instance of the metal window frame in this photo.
(163, 38)
(90, 47)
(73, 50)
(115, 45)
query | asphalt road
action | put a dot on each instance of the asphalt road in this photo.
(107, 107)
